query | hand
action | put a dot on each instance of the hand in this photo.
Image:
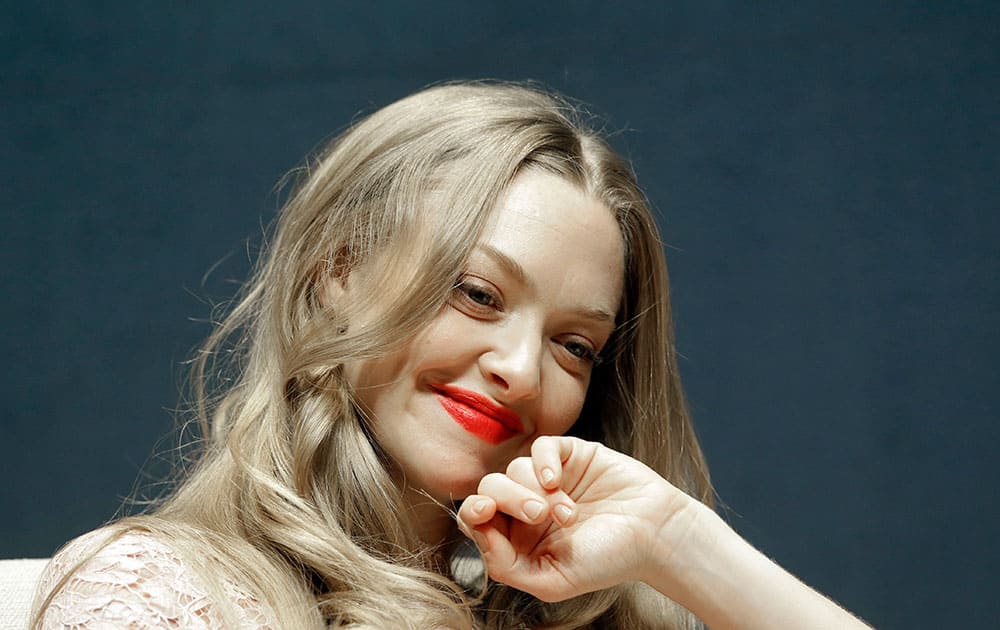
(573, 517)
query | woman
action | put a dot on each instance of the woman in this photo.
(461, 332)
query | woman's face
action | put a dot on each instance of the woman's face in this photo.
(509, 358)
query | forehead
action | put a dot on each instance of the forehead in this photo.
(565, 240)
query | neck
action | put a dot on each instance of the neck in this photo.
(434, 525)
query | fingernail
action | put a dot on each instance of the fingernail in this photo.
(563, 512)
(480, 506)
(547, 476)
(532, 509)
(481, 541)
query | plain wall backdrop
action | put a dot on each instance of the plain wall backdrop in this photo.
(825, 176)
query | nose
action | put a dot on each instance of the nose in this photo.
(513, 363)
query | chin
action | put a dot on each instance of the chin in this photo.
(453, 489)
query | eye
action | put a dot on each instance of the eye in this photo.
(581, 350)
(476, 296)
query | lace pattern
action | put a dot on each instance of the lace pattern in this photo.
(137, 582)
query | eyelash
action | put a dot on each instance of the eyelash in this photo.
(487, 300)
(588, 354)
(465, 289)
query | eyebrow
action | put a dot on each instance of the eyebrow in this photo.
(515, 269)
(509, 265)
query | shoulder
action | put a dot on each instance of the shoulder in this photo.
(137, 580)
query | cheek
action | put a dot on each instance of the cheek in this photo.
(428, 346)
(377, 382)
(450, 340)
(366, 381)
(564, 403)
(437, 346)
(366, 374)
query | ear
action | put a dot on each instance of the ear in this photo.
(332, 278)
(331, 290)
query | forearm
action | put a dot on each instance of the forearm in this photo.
(709, 569)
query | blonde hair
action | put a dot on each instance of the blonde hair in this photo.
(291, 495)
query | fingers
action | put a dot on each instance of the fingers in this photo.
(529, 491)
(546, 459)
(524, 471)
(476, 510)
(495, 547)
(558, 506)
(478, 519)
(513, 498)
(559, 460)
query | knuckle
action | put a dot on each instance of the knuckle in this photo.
(545, 440)
(491, 480)
(518, 466)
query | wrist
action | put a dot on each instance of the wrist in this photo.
(683, 545)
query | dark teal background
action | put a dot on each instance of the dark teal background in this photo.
(825, 174)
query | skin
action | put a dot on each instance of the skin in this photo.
(538, 297)
(556, 516)
(609, 519)
(589, 492)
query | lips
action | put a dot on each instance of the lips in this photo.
(479, 415)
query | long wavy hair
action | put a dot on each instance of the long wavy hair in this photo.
(290, 494)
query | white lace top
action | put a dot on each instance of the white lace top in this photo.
(137, 582)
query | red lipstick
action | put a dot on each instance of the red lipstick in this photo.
(479, 415)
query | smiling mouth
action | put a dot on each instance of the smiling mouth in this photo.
(479, 415)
